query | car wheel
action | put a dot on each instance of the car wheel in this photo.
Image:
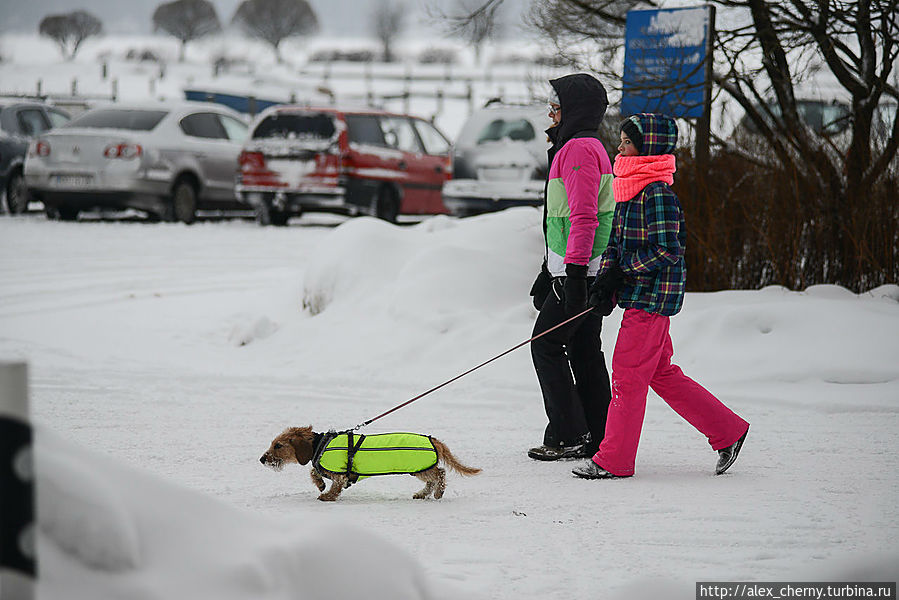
(17, 196)
(279, 219)
(266, 214)
(184, 202)
(67, 213)
(388, 205)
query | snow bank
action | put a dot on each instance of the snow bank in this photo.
(443, 267)
(789, 337)
(81, 511)
(412, 296)
(451, 283)
(101, 520)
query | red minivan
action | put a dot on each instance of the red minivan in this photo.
(366, 161)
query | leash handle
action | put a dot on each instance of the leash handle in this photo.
(461, 375)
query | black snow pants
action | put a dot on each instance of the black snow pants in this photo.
(572, 372)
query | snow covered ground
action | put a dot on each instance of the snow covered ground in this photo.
(164, 358)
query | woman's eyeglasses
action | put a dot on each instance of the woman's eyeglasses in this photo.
(554, 109)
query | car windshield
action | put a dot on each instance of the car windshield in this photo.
(519, 130)
(318, 126)
(824, 118)
(118, 118)
(519, 124)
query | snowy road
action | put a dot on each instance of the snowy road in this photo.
(184, 350)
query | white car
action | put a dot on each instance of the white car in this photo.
(499, 160)
(166, 159)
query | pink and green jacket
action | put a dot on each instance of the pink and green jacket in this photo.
(579, 206)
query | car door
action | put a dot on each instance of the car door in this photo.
(418, 181)
(215, 153)
(26, 123)
(237, 132)
(32, 121)
(437, 162)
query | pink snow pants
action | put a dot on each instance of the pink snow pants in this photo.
(642, 359)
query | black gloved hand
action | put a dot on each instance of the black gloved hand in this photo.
(604, 289)
(542, 285)
(575, 289)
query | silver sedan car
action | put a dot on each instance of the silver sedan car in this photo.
(166, 159)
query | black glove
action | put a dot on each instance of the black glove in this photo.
(604, 289)
(541, 287)
(575, 289)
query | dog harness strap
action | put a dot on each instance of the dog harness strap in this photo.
(351, 450)
(320, 442)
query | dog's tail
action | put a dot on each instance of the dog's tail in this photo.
(444, 455)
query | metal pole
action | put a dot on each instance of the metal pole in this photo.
(704, 124)
(18, 551)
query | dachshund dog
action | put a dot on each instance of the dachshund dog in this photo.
(346, 457)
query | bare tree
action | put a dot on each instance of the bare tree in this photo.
(186, 20)
(474, 21)
(70, 30)
(572, 25)
(275, 20)
(387, 21)
(764, 52)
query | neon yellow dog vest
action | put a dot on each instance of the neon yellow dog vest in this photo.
(378, 454)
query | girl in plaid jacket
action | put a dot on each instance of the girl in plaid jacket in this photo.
(642, 270)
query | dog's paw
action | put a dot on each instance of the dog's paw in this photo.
(326, 498)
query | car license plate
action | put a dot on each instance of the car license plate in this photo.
(72, 181)
(502, 173)
(292, 171)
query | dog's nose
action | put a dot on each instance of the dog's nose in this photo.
(262, 459)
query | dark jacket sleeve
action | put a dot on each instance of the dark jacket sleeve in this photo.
(661, 212)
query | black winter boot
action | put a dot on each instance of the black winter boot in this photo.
(591, 470)
(545, 452)
(728, 456)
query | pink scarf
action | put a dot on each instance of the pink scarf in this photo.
(633, 173)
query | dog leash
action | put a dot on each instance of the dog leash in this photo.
(461, 375)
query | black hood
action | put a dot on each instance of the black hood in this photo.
(583, 100)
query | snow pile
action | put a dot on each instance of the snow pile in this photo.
(112, 531)
(442, 267)
(451, 283)
(83, 514)
(250, 329)
(430, 289)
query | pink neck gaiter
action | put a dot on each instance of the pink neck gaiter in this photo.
(633, 173)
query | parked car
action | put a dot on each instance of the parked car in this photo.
(346, 161)
(499, 160)
(166, 159)
(20, 122)
(827, 118)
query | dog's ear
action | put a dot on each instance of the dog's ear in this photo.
(301, 440)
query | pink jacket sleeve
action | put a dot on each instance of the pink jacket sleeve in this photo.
(580, 171)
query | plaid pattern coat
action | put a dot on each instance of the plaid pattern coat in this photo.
(648, 234)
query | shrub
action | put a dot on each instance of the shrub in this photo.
(750, 226)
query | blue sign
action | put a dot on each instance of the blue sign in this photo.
(240, 103)
(665, 61)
